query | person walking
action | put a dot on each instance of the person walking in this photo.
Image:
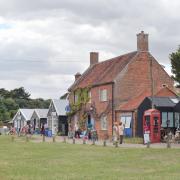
(121, 132)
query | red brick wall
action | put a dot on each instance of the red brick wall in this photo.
(101, 107)
(135, 78)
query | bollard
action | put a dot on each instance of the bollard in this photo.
(27, 138)
(84, 141)
(168, 144)
(148, 144)
(12, 138)
(116, 144)
(104, 143)
(93, 142)
(54, 139)
(43, 139)
(64, 140)
(74, 140)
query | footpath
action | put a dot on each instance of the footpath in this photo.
(39, 139)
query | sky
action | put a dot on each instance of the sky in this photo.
(44, 43)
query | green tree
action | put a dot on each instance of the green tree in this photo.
(175, 64)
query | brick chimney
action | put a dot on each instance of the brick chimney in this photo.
(142, 42)
(77, 76)
(94, 58)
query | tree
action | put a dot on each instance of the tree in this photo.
(19, 93)
(175, 64)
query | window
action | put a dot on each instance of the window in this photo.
(103, 122)
(167, 117)
(177, 119)
(103, 95)
(126, 120)
(164, 119)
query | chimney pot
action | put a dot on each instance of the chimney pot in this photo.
(94, 58)
(142, 42)
(77, 76)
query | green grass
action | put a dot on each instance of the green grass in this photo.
(49, 161)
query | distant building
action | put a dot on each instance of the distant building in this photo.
(39, 118)
(22, 118)
(57, 118)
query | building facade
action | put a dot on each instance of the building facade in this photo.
(115, 88)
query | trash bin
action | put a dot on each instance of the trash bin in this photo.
(49, 133)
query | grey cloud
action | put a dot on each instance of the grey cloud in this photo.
(70, 29)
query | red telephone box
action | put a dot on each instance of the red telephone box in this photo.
(151, 125)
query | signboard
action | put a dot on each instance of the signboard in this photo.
(146, 138)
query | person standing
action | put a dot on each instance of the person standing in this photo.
(121, 132)
(115, 132)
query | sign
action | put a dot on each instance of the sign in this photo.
(146, 138)
(67, 108)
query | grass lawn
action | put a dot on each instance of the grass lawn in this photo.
(34, 161)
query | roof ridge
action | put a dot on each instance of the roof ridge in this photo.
(90, 68)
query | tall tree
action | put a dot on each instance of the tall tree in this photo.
(175, 64)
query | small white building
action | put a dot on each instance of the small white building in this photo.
(39, 118)
(57, 118)
(22, 118)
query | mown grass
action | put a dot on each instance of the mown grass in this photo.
(50, 161)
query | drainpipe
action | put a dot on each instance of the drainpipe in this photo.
(152, 83)
(112, 106)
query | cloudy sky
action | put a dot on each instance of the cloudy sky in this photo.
(43, 43)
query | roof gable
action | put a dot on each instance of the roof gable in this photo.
(26, 113)
(41, 113)
(60, 105)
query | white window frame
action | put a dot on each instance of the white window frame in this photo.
(103, 95)
(104, 122)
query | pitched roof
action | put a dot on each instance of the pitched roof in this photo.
(26, 113)
(165, 101)
(103, 72)
(60, 105)
(42, 113)
(136, 101)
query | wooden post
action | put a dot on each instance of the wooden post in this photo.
(74, 141)
(116, 144)
(104, 143)
(64, 139)
(54, 139)
(43, 138)
(148, 144)
(168, 142)
(93, 143)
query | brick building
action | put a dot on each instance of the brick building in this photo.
(116, 87)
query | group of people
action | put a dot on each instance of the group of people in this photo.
(118, 132)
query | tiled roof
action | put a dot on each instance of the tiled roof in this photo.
(136, 101)
(103, 72)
